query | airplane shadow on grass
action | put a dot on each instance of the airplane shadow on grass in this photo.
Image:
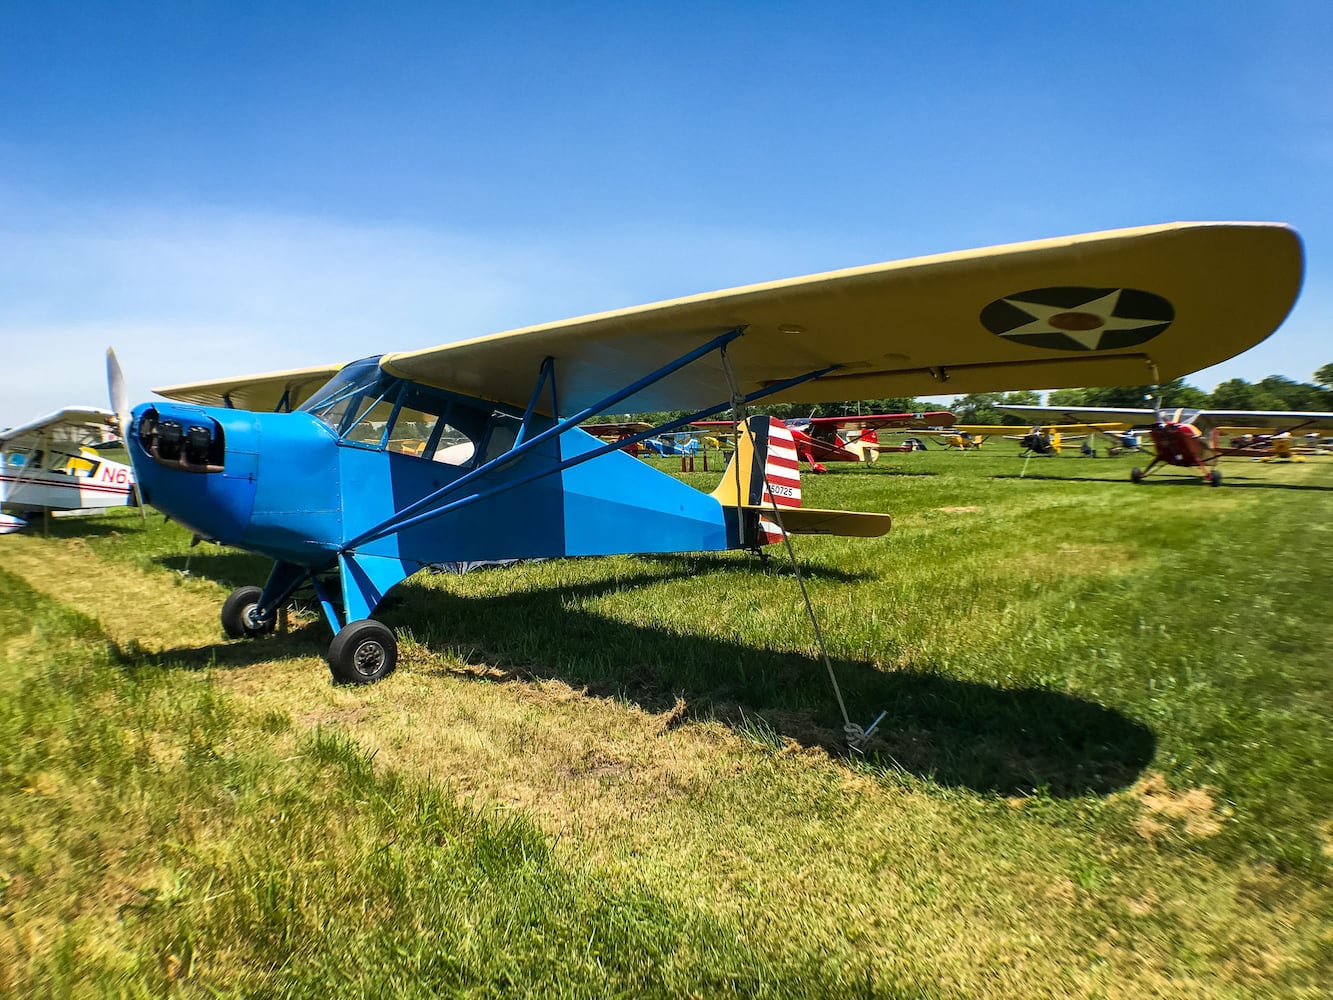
(955, 732)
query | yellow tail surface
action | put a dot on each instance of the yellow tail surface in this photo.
(764, 474)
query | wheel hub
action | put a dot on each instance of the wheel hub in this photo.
(369, 657)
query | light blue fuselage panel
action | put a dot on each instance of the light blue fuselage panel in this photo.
(617, 503)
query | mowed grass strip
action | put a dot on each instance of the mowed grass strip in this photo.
(161, 838)
(1049, 811)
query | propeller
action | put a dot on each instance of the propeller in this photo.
(120, 397)
(120, 405)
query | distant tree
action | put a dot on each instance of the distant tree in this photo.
(980, 407)
(1068, 397)
(1276, 392)
(1323, 378)
(1233, 394)
(1173, 393)
(1293, 395)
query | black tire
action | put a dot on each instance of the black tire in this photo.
(1215, 478)
(363, 652)
(1136, 475)
(238, 615)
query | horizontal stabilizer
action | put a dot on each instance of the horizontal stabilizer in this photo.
(846, 523)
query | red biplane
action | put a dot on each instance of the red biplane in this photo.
(1182, 437)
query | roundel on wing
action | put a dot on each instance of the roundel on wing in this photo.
(1079, 319)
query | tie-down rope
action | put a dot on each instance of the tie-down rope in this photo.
(856, 736)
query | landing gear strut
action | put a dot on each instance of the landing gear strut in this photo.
(363, 652)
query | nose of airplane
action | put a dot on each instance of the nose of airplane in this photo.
(197, 465)
(180, 437)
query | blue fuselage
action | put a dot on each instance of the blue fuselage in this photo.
(287, 486)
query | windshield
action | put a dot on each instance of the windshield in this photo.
(368, 408)
(352, 389)
(1172, 415)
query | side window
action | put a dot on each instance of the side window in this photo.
(370, 423)
(435, 427)
(427, 435)
(411, 432)
(453, 447)
(80, 466)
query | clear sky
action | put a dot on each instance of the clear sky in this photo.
(222, 188)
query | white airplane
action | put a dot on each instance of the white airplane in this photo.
(50, 465)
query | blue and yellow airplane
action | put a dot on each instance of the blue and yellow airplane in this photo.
(473, 450)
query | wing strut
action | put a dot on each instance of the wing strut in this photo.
(547, 371)
(422, 510)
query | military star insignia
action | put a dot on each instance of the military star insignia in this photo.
(1078, 318)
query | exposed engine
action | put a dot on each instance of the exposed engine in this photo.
(195, 445)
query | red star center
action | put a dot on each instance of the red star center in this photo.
(1076, 321)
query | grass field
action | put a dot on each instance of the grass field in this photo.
(1106, 767)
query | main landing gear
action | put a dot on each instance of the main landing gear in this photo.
(362, 652)
(1213, 477)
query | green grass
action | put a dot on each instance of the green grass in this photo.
(158, 837)
(1105, 767)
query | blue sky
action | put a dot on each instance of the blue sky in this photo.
(222, 188)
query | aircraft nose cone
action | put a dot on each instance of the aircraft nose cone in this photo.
(183, 459)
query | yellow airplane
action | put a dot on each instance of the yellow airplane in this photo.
(970, 437)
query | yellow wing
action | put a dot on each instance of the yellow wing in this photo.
(254, 392)
(1123, 307)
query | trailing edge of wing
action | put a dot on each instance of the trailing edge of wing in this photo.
(1074, 414)
(254, 392)
(1124, 307)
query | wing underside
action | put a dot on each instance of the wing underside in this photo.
(268, 391)
(72, 425)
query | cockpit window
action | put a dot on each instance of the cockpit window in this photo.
(367, 407)
(344, 392)
(1182, 415)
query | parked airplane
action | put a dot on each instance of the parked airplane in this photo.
(49, 465)
(845, 439)
(1124, 440)
(962, 438)
(1043, 441)
(356, 489)
(1181, 437)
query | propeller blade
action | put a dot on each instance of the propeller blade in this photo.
(119, 395)
(120, 403)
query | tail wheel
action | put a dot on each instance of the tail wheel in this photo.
(1215, 478)
(363, 652)
(241, 616)
(1136, 475)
